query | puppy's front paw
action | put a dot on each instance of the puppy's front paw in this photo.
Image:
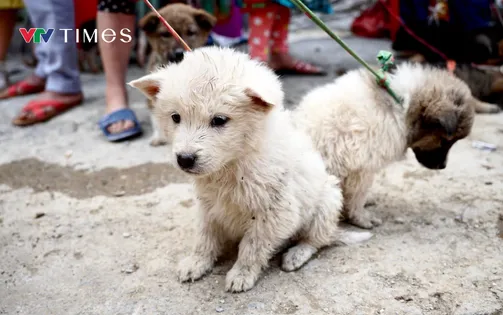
(240, 279)
(365, 221)
(193, 268)
(297, 256)
(158, 141)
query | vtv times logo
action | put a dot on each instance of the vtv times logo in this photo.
(37, 35)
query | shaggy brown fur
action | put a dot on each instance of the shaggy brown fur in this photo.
(193, 25)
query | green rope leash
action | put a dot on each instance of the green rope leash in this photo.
(385, 58)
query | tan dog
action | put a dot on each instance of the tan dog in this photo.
(359, 128)
(193, 25)
(259, 181)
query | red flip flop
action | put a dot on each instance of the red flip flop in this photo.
(21, 88)
(42, 110)
(301, 68)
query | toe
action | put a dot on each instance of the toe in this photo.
(128, 124)
(118, 127)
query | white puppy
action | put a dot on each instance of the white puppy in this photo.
(359, 129)
(259, 181)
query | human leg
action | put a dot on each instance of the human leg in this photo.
(281, 60)
(116, 15)
(7, 23)
(260, 25)
(57, 66)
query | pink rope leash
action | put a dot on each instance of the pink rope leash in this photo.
(170, 29)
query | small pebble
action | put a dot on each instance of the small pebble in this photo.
(488, 183)
(68, 154)
(130, 269)
(126, 235)
(119, 193)
(39, 215)
(222, 301)
(219, 309)
(399, 220)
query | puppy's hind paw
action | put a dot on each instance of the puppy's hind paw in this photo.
(240, 279)
(297, 256)
(156, 141)
(193, 268)
(486, 108)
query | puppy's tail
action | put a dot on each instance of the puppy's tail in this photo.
(347, 237)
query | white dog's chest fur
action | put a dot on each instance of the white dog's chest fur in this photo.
(239, 199)
(281, 185)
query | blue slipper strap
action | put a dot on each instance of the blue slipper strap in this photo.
(116, 116)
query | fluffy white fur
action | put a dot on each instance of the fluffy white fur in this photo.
(359, 129)
(259, 181)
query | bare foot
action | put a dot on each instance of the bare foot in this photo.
(46, 106)
(285, 62)
(67, 98)
(29, 85)
(34, 80)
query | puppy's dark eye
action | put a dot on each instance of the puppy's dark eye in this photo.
(191, 33)
(219, 121)
(166, 34)
(176, 118)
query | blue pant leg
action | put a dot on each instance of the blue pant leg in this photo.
(58, 58)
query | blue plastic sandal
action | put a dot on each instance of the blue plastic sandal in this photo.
(121, 114)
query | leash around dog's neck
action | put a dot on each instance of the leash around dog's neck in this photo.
(385, 58)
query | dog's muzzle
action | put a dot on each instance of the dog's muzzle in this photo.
(432, 159)
(176, 56)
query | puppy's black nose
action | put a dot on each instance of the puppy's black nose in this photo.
(186, 160)
(179, 55)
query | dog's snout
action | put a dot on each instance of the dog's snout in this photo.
(186, 160)
(179, 55)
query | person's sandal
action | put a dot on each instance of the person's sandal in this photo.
(21, 88)
(301, 68)
(38, 111)
(116, 116)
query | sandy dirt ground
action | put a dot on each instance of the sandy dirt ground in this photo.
(89, 227)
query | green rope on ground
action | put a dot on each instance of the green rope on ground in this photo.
(381, 77)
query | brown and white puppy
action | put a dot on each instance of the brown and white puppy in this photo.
(359, 128)
(193, 25)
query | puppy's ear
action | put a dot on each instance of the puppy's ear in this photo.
(449, 122)
(258, 102)
(149, 85)
(205, 20)
(149, 23)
